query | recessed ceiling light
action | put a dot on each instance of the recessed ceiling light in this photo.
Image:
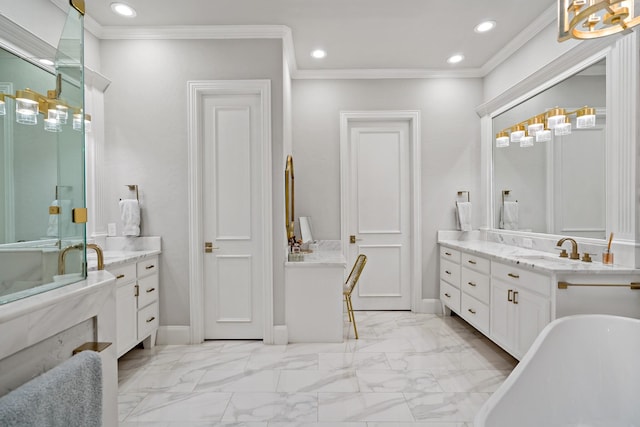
(123, 10)
(318, 53)
(45, 61)
(454, 59)
(485, 26)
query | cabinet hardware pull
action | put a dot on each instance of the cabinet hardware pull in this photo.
(447, 271)
(472, 262)
(515, 297)
(447, 295)
(137, 290)
(151, 290)
(447, 253)
(515, 276)
(149, 267)
(151, 319)
(471, 311)
(472, 284)
(509, 295)
(120, 276)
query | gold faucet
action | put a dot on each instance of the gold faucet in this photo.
(62, 255)
(99, 254)
(574, 248)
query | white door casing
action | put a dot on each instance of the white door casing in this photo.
(380, 184)
(238, 223)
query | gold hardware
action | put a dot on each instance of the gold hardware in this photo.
(446, 253)
(353, 239)
(99, 254)
(472, 262)
(564, 254)
(471, 284)
(447, 295)
(447, 271)
(120, 276)
(586, 257)
(93, 346)
(137, 293)
(151, 319)
(149, 267)
(510, 295)
(151, 290)
(574, 247)
(79, 215)
(460, 193)
(62, 255)
(515, 297)
(54, 210)
(632, 285)
(78, 5)
(471, 311)
(208, 248)
(515, 276)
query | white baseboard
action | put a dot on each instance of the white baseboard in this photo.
(429, 306)
(173, 335)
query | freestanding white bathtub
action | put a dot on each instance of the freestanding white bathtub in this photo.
(581, 371)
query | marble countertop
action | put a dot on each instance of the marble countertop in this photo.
(115, 258)
(535, 260)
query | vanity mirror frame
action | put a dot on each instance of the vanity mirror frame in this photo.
(622, 82)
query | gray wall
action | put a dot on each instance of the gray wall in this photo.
(146, 142)
(450, 150)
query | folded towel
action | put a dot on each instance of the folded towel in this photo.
(59, 224)
(509, 219)
(68, 395)
(130, 215)
(463, 214)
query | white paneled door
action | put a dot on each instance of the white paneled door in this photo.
(379, 213)
(233, 260)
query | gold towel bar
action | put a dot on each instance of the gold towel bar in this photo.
(632, 285)
(93, 346)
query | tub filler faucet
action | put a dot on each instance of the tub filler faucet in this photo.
(574, 248)
(79, 246)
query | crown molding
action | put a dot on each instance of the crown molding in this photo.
(530, 31)
(386, 73)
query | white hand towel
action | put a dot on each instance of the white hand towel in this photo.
(510, 216)
(463, 210)
(130, 216)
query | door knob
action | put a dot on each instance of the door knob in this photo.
(208, 247)
(352, 239)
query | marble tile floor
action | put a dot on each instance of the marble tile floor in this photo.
(407, 369)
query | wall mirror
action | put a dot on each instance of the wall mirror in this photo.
(554, 183)
(289, 199)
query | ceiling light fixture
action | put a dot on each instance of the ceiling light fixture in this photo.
(123, 9)
(318, 53)
(582, 19)
(485, 26)
(557, 119)
(454, 59)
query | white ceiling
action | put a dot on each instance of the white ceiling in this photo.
(357, 34)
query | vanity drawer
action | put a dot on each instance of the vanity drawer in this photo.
(475, 284)
(475, 312)
(148, 266)
(147, 320)
(526, 279)
(476, 263)
(124, 273)
(450, 296)
(450, 254)
(450, 272)
(147, 290)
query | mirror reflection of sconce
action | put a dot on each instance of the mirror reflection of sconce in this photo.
(289, 199)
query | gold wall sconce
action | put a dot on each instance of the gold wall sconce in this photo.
(590, 19)
(539, 127)
(29, 103)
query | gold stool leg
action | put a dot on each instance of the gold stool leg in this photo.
(350, 308)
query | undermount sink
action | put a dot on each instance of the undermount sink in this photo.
(550, 258)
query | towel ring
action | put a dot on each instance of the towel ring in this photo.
(133, 187)
(505, 193)
(460, 193)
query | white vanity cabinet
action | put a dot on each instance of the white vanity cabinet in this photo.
(520, 307)
(136, 303)
(450, 279)
(475, 291)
